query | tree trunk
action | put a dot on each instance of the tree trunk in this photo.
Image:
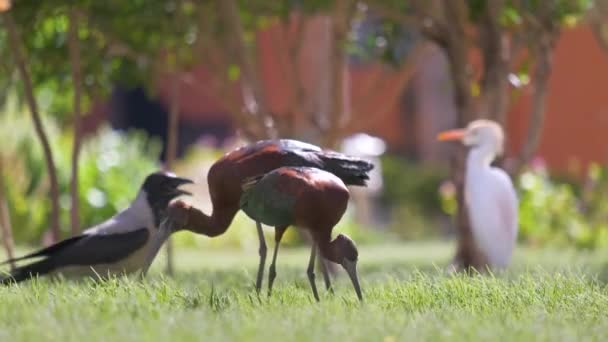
(494, 83)
(172, 138)
(15, 45)
(457, 49)
(74, 51)
(5, 221)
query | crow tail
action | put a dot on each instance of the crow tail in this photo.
(19, 274)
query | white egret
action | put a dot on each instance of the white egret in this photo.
(490, 197)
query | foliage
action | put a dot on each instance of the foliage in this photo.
(561, 212)
(112, 167)
(411, 183)
(214, 300)
(553, 210)
(122, 42)
(411, 193)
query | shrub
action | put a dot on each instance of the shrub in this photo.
(112, 167)
(411, 194)
(557, 210)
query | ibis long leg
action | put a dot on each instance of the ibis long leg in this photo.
(311, 271)
(325, 272)
(262, 251)
(272, 273)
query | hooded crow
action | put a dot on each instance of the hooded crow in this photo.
(116, 246)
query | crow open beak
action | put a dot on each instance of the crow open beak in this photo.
(180, 192)
(177, 182)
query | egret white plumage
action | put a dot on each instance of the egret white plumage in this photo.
(118, 245)
(490, 197)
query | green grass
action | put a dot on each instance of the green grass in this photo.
(549, 295)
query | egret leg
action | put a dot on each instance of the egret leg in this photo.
(311, 271)
(325, 272)
(272, 273)
(351, 269)
(263, 249)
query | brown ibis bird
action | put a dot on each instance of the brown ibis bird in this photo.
(228, 173)
(490, 197)
(310, 199)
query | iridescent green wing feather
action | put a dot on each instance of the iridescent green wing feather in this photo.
(265, 202)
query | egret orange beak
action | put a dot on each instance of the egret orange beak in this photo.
(5, 5)
(454, 134)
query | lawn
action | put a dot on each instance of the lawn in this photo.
(549, 295)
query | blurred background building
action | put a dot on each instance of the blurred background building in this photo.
(406, 115)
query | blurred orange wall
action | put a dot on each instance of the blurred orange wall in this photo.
(576, 124)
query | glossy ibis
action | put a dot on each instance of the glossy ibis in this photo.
(227, 174)
(310, 199)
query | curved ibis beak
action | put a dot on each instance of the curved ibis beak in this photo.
(351, 269)
(454, 134)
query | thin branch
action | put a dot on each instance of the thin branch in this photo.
(252, 88)
(5, 221)
(24, 73)
(378, 85)
(213, 56)
(544, 56)
(294, 57)
(291, 66)
(171, 151)
(281, 42)
(74, 52)
(427, 23)
(223, 90)
(114, 46)
(383, 110)
(543, 32)
(343, 13)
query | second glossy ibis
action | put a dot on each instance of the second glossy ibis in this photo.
(307, 198)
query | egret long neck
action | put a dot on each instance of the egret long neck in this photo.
(480, 156)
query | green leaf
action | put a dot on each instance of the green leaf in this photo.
(234, 72)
